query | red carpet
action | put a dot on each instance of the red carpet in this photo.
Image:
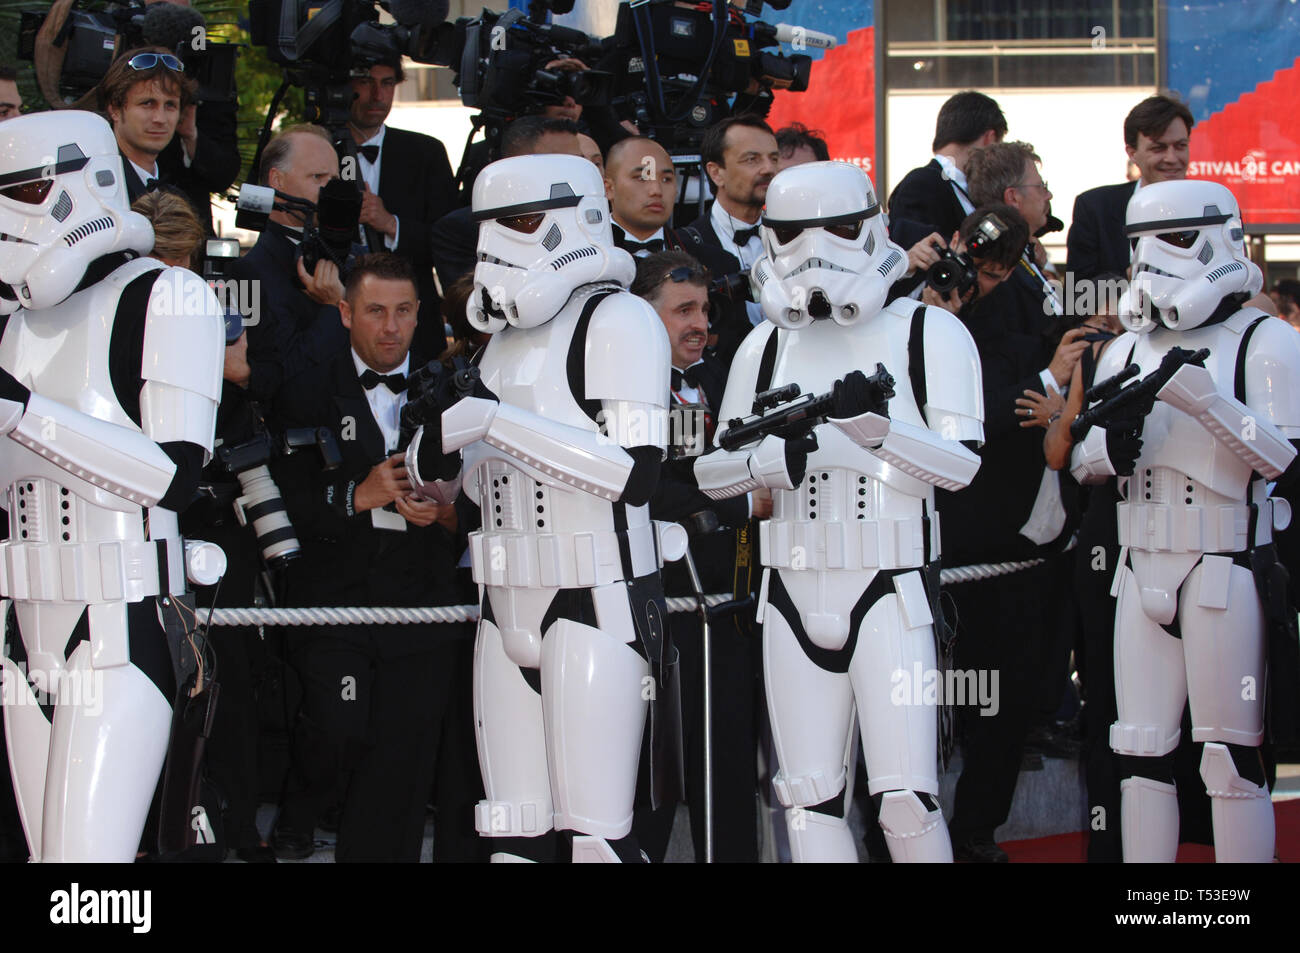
(1072, 848)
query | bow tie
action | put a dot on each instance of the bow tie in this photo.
(743, 235)
(394, 382)
(370, 152)
(690, 377)
(150, 185)
(631, 246)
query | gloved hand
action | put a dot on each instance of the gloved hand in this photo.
(1124, 444)
(796, 455)
(856, 394)
(434, 463)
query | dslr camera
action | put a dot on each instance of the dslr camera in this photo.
(958, 271)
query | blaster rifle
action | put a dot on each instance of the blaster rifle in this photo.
(783, 412)
(431, 390)
(1135, 400)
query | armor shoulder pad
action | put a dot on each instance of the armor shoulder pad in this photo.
(184, 334)
(954, 381)
(627, 353)
(1272, 373)
(742, 378)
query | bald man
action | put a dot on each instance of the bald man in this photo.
(641, 185)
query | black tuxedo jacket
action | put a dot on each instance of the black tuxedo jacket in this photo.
(926, 197)
(1096, 242)
(735, 324)
(345, 560)
(1016, 342)
(292, 333)
(416, 184)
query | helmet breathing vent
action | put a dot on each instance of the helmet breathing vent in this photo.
(568, 258)
(888, 264)
(86, 230)
(1223, 270)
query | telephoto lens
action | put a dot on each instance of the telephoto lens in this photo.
(262, 507)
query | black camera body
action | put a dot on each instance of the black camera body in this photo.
(958, 272)
(951, 272)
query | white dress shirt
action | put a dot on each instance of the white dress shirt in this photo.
(370, 175)
(725, 227)
(385, 405)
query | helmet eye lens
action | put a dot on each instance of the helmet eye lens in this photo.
(524, 223)
(32, 193)
(785, 236)
(850, 231)
(1180, 239)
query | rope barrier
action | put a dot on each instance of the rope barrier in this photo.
(378, 615)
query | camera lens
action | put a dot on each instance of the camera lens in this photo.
(942, 277)
(263, 507)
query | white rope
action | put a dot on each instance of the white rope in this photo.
(378, 615)
(394, 616)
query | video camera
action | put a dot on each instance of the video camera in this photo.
(680, 66)
(90, 39)
(329, 226)
(958, 271)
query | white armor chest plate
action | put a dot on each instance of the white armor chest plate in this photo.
(537, 533)
(69, 540)
(853, 511)
(1188, 491)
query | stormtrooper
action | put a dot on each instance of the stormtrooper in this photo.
(851, 551)
(1195, 516)
(110, 370)
(561, 451)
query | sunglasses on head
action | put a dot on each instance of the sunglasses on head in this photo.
(144, 61)
(684, 273)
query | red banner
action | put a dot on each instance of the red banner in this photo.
(1253, 147)
(840, 101)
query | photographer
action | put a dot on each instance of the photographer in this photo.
(297, 325)
(232, 750)
(408, 186)
(1012, 510)
(677, 287)
(373, 696)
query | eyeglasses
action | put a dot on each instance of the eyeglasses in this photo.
(144, 61)
(1033, 185)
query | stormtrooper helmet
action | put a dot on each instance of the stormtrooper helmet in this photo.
(544, 232)
(63, 204)
(826, 252)
(1189, 254)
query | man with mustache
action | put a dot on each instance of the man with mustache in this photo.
(676, 286)
(740, 157)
